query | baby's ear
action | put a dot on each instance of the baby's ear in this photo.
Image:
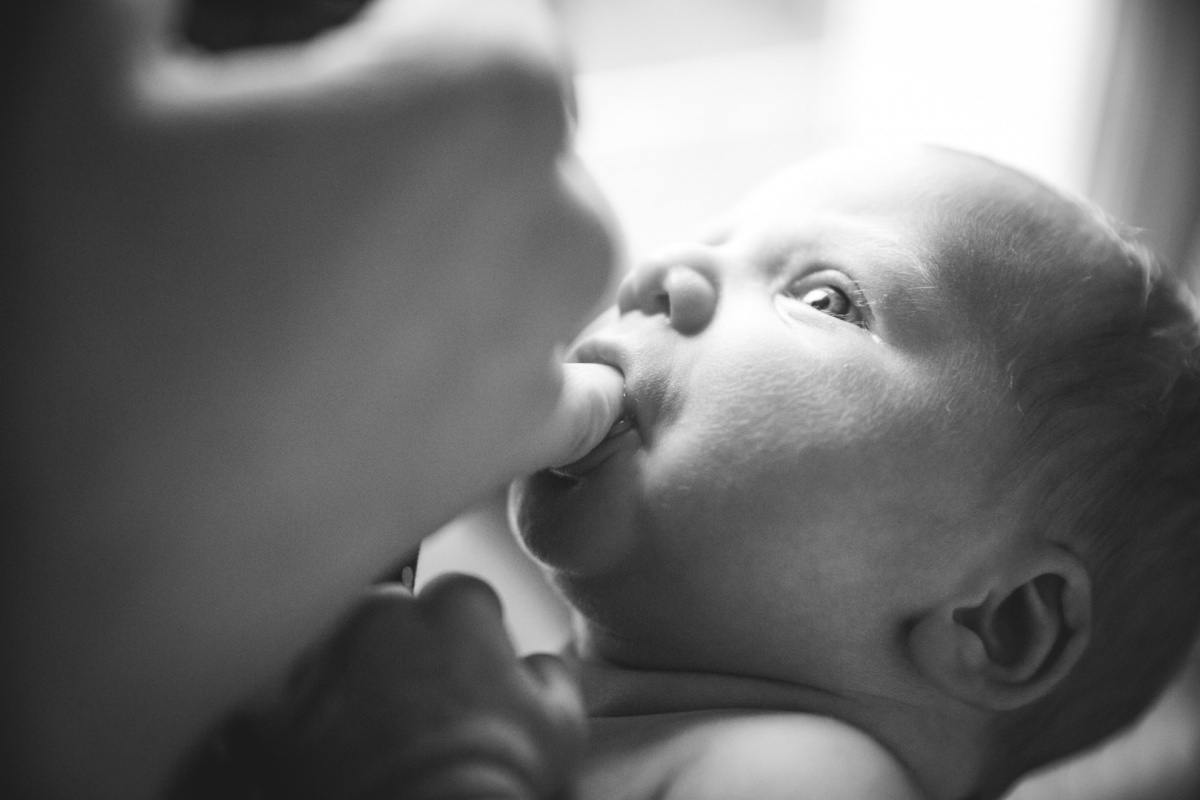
(1014, 642)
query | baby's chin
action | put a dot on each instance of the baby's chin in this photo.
(577, 525)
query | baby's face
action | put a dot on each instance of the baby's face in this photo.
(810, 431)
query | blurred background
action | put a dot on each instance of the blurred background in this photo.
(684, 105)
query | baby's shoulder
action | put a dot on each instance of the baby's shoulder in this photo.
(729, 756)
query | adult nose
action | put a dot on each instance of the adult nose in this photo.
(684, 291)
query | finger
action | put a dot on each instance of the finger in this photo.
(558, 687)
(465, 778)
(455, 598)
(589, 404)
(384, 611)
(562, 705)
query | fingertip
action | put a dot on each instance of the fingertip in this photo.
(597, 390)
(591, 402)
(559, 684)
(378, 605)
(548, 668)
(456, 590)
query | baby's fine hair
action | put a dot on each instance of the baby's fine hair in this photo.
(1103, 362)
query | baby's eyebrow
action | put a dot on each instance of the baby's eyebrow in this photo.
(846, 245)
(904, 254)
(920, 275)
(911, 280)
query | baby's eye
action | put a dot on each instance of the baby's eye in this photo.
(829, 292)
(831, 300)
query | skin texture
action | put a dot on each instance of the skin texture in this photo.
(271, 317)
(731, 754)
(784, 461)
(800, 517)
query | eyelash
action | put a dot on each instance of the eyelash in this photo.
(855, 302)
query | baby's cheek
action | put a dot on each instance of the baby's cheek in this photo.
(763, 408)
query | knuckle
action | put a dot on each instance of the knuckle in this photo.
(377, 611)
(559, 698)
(457, 593)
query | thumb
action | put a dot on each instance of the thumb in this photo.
(588, 405)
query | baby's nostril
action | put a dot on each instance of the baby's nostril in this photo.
(660, 303)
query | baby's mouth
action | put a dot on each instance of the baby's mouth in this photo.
(625, 423)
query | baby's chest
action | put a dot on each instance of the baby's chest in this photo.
(726, 756)
(640, 758)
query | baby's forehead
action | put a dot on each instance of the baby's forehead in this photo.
(907, 244)
(942, 217)
(908, 206)
(933, 188)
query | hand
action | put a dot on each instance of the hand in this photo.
(282, 312)
(422, 698)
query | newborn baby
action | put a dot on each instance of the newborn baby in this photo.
(904, 501)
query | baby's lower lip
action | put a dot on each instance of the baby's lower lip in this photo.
(600, 453)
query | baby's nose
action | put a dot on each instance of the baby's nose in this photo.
(685, 292)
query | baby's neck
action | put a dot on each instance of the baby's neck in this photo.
(611, 690)
(931, 747)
